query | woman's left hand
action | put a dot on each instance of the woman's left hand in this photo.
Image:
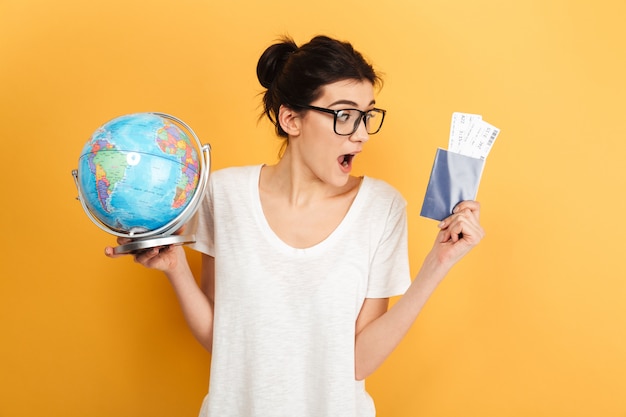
(459, 233)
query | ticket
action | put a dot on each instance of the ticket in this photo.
(471, 136)
(459, 129)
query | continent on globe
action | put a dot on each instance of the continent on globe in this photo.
(170, 141)
(108, 168)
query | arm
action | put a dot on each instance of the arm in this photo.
(378, 331)
(196, 302)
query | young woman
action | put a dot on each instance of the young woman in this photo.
(300, 258)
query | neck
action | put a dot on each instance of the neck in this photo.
(292, 181)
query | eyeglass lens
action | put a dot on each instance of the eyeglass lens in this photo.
(347, 121)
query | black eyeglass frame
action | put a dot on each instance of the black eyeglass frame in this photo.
(335, 113)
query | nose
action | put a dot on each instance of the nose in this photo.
(360, 134)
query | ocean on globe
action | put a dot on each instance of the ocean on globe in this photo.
(138, 173)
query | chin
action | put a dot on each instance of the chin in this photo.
(340, 180)
(334, 177)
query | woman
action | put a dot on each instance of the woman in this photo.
(300, 258)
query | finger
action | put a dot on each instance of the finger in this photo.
(456, 231)
(110, 252)
(445, 223)
(469, 212)
(472, 206)
(462, 225)
(145, 255)
(467, 206)
(448, 234)
(468, 229)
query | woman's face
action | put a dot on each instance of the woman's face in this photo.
(327, 155)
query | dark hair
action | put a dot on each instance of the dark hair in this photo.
(295, 75)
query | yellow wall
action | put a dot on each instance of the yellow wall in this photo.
(532, 323)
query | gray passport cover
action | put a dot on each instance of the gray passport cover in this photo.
(453, 178)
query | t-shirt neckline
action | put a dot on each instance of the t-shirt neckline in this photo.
(280, 244)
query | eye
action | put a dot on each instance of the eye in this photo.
(344, 116)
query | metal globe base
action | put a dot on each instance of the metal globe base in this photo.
(140, 245)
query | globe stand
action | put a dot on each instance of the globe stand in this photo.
(139, 245)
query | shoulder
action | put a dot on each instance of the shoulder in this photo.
(379, 200)
(379, 190)
(234, 174)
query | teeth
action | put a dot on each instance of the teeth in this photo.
(346, 159)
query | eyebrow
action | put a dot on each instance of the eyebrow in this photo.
(348, 102)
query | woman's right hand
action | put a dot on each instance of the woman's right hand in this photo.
(162, 258)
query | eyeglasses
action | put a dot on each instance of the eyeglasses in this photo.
(347, 121)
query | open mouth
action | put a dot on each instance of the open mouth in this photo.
(346, 160)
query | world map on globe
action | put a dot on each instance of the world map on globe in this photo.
(138, 172)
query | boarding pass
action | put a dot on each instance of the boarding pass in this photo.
(471, 136)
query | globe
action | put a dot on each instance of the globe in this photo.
(141, 175)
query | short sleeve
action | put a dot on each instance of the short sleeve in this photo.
(202, 224)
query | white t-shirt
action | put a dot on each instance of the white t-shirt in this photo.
(284, 329)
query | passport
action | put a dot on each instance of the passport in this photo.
(454, 177)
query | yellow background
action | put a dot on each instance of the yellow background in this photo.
(532, 323)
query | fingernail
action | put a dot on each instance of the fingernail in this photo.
(441, 224)
(107, 251)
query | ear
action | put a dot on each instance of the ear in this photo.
(289, 120)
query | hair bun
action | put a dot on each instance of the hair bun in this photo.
(273, 60)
